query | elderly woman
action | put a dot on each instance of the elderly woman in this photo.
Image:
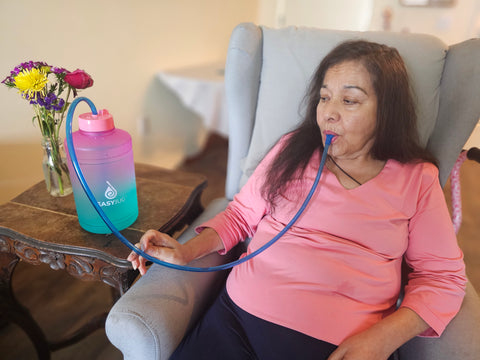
(329, 287)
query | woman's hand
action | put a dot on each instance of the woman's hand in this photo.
(160, 246)
(363, 346)
(380, 340)
(166, 248)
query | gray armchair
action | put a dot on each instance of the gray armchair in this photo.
(267, 72)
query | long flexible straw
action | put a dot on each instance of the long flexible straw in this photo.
(117, 233)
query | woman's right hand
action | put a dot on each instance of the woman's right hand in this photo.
(160, 246)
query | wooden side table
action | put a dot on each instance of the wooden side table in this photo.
(38, 228)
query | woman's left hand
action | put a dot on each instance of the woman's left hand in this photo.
(363, 346)
(380, 340)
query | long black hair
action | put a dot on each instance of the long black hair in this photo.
(396, 135)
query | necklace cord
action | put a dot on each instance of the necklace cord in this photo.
(343, 171)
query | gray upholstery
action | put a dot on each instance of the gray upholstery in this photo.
(290, 57)
(459, 110)
(266, 74)
(151, 318)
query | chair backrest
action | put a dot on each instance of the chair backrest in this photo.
(268, 71)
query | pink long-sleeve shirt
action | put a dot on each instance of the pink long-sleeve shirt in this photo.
(337, 271)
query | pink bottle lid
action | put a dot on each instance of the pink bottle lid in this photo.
(96, 123)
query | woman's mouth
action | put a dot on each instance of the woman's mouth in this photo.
(332, 134)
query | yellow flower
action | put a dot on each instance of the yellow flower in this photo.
(31, 82)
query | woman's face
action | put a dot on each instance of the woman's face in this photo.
(348, 110)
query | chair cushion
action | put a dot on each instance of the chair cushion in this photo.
(290, 57)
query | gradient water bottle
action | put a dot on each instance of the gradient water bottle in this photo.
(105, 156)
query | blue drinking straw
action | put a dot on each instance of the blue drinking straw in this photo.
(141, 253)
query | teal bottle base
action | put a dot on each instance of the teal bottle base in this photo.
(99, 227)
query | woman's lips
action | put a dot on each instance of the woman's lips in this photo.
(328, 132)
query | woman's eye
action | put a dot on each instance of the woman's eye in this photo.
(349, 102)
(323, 99)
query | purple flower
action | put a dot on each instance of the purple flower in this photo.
(56, 70)
(29, 65)
(60, 104)
(51, 102)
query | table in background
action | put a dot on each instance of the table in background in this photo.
(38, 228)
(202, 90)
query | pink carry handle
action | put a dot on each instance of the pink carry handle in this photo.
(472, 154)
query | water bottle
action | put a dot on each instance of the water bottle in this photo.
(105, 157)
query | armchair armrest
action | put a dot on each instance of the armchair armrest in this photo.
(460, 340)
(150, 320)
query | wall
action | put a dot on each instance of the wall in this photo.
(451, 24)
(121, 43)
(325, 14)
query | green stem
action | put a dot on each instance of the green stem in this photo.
(52, 147)
(62, 114)
(38, 115)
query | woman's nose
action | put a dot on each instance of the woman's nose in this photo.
(331, 112)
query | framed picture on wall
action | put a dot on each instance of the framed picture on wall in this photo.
(428, 3)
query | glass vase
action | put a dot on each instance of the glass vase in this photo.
(55, 168)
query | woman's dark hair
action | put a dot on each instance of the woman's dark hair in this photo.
(396, 135)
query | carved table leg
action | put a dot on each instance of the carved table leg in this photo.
(119, 279)
(82, 267)
(122, 284)
(12, 311)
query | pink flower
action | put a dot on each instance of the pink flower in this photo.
(79, 79)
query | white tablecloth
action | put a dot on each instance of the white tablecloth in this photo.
(202, 90)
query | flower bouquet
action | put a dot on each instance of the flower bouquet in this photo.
(48, 90)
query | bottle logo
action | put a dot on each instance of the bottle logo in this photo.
(111, 195)
(110, 192)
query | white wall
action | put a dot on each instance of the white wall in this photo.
(451, 24)
(121, 43)
(326, 14)
(338, 14)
